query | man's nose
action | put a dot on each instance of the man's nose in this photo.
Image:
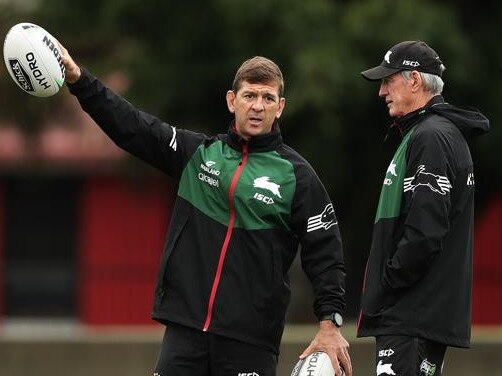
(258, 104)
(382, 92)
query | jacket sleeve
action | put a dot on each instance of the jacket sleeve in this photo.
(425, 212)
(141, 134)
(321, 252)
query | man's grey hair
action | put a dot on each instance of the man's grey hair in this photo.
(432, 83)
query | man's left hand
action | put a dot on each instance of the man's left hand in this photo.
(329, 339)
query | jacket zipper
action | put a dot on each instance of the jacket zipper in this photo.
(230, 228)
(363, 290)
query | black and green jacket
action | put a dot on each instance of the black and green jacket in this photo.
(242, 210)
(418, 278)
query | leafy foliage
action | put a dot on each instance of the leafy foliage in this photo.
(181, 57)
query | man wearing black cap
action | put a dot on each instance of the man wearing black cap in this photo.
(416, 295)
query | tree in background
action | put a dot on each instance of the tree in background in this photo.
(180, 57)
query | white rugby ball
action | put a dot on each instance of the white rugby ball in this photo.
(316, 364)
(33, 58)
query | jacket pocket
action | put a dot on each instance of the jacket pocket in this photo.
(377, 300)
(175, 233)
(278, 298)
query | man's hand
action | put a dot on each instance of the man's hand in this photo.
(72, 70)
(330, 340)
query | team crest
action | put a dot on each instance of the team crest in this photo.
(436, 183)
(391, 172)
(265, 183)
(427, 368)
(384, 369)
(324, 220)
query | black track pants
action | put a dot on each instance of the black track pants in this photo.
(186, 351)
(408, 356)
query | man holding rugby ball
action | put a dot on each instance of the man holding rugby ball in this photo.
(246, 202)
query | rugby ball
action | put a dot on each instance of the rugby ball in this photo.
(33, 59)
(316, 364)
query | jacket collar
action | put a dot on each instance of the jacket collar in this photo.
(265, 142)
(402, 125)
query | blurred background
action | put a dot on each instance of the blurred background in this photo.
(82, 223)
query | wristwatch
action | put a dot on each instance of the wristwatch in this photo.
(335, 317)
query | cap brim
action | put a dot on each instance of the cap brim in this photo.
(379, 72)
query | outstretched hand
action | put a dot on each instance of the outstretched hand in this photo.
(72, 70)
(330, 340)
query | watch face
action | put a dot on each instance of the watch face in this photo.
(338, 319)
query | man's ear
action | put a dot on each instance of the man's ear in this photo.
(282, 104)
(416, 81)
(230, 101)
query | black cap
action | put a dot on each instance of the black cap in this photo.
(409, 55)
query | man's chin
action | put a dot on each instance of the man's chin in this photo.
(252, 131)
(255, 131)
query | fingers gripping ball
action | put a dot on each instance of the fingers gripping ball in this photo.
(316, 364)
(33, 59)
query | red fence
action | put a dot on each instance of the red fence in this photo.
(2, 211)
(487, 294)
(122, 231)
(121, 228)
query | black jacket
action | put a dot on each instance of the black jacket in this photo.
(418, 279)
(242, 210)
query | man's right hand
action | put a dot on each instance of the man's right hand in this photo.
(72, 70)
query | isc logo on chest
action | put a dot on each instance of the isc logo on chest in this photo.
(261, 197)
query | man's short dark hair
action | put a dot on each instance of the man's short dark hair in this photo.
(258, 69)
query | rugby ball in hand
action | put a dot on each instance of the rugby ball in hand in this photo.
(33, 58)
(316, 364)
